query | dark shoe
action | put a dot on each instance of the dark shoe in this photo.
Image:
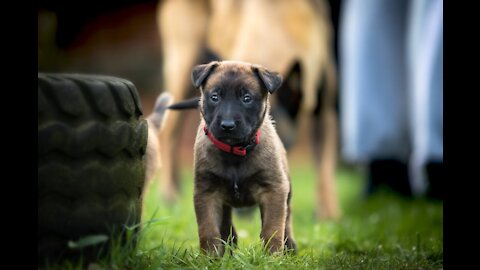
(435, 180)
(389, 173)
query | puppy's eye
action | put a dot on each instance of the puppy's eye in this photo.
(214, 98)
(247, 98)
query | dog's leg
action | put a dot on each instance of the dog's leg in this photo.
(229, 235)
(208, 210)
(273, 210)
(289, 241)
(182, 25)
(325, 148)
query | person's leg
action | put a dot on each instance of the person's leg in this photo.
(374, 120)
(425, 65)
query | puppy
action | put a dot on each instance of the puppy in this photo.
(239, 159)
(294, 38)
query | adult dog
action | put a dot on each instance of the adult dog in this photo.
(239, 159)
(292, 37)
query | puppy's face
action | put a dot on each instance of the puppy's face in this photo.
(234, 98)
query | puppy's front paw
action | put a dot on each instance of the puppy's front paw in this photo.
(273, 244)
(212, 246)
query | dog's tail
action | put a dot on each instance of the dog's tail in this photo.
(155, 123)
(191, 103)
(161, 105)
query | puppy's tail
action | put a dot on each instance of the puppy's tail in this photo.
(191, 103)
(160, 109)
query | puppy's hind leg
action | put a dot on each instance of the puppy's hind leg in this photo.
(289, 240)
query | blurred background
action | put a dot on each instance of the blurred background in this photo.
(121, 38)
(389, 116)
(117, 38)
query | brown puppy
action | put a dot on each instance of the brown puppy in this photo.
(239, 158)
(294, 38)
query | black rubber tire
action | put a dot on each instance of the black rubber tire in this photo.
(91, 147)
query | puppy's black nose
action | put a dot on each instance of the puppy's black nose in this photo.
(228, 125)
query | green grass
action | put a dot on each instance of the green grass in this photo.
(381, 232)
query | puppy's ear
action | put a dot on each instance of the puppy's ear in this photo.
(201, 72)
(270, 79)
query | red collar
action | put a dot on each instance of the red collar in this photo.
(236, 150)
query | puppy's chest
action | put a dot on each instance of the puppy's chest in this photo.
(238, 185)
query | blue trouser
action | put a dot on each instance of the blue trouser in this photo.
(391, 83)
